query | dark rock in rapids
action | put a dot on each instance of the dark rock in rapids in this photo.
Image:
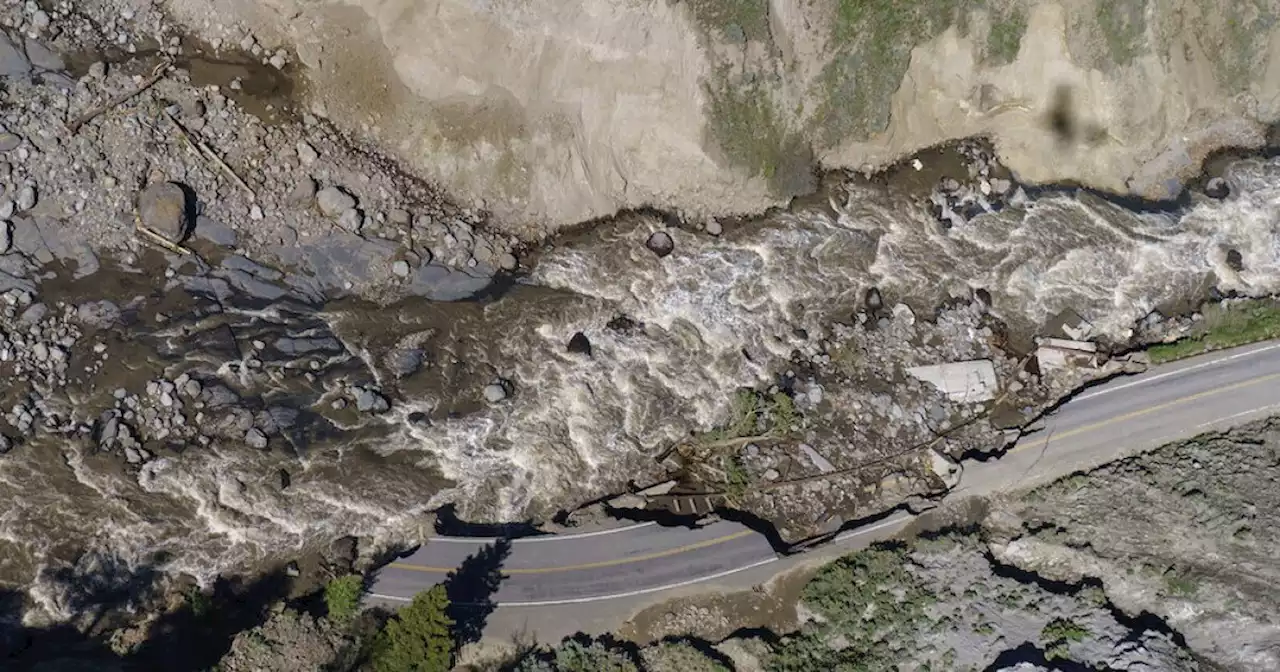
(579, 344)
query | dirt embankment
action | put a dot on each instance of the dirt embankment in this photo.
(557, 112)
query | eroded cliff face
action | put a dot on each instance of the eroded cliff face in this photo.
(551, 113)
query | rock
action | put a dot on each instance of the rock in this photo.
(400, 217)
(7, 208)
(771, 475)
(404, 361)
(872, 299)
(579, 344)
(714, 227)
(1217, 188)
(494, 393)
(131, 456)
(660, 243)
(191, 389)
(285, 479)
(1235, 261)
(255, 438)
(40, 351)
(40, 21)
(13, 59)
(508, 261)
(26, 198)
(164, 208)
(306, 153)
(369, 400)
(6, 444)
(335, 202)
(303, 193)
(419, 419)
(902, 313)
(99, 314)
(215, 232)
(400, 268)
(291, 570)
(1001, 186)
(9, 142)
(6, 236)
(351, 220)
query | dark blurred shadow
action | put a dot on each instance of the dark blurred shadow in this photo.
(198, 636)
(471, 589)
(103, 593)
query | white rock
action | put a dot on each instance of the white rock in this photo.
(334, 202)
(494, 393)
(306, 153)
(400, 268)
(26, 197)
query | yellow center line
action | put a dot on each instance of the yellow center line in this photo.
(1040, 443)
(591, 565)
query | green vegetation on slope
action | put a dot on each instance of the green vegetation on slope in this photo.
(869, 601)
(580, 655)
(874, 39)
(749, 131)
(1005, 38)
(1223, 326)
(750, 17)
(1245, 32)
(1124, 25)
(1057, 636)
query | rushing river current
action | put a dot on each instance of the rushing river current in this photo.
(670, 338)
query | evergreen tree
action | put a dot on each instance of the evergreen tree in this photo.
(419, 638)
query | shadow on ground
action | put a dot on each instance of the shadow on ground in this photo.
(471, 590)
(105, 594)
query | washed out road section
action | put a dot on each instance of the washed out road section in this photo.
(1117, 418)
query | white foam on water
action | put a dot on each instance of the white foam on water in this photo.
(576, 426)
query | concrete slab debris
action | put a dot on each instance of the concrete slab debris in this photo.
(965, 382)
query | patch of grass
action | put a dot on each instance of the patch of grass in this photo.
(1124, 25)
(1005, 38)
(751, 17)
(873, 41)
(342, 597)
(1223, 326)
(749, 131)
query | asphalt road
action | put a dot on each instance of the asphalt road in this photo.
(1106, 422)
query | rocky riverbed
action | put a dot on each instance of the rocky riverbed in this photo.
(232, 334)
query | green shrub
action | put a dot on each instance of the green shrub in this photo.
(342, 596)
(868, 599)
(575, 656)
(199, 603)
(418, 638)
